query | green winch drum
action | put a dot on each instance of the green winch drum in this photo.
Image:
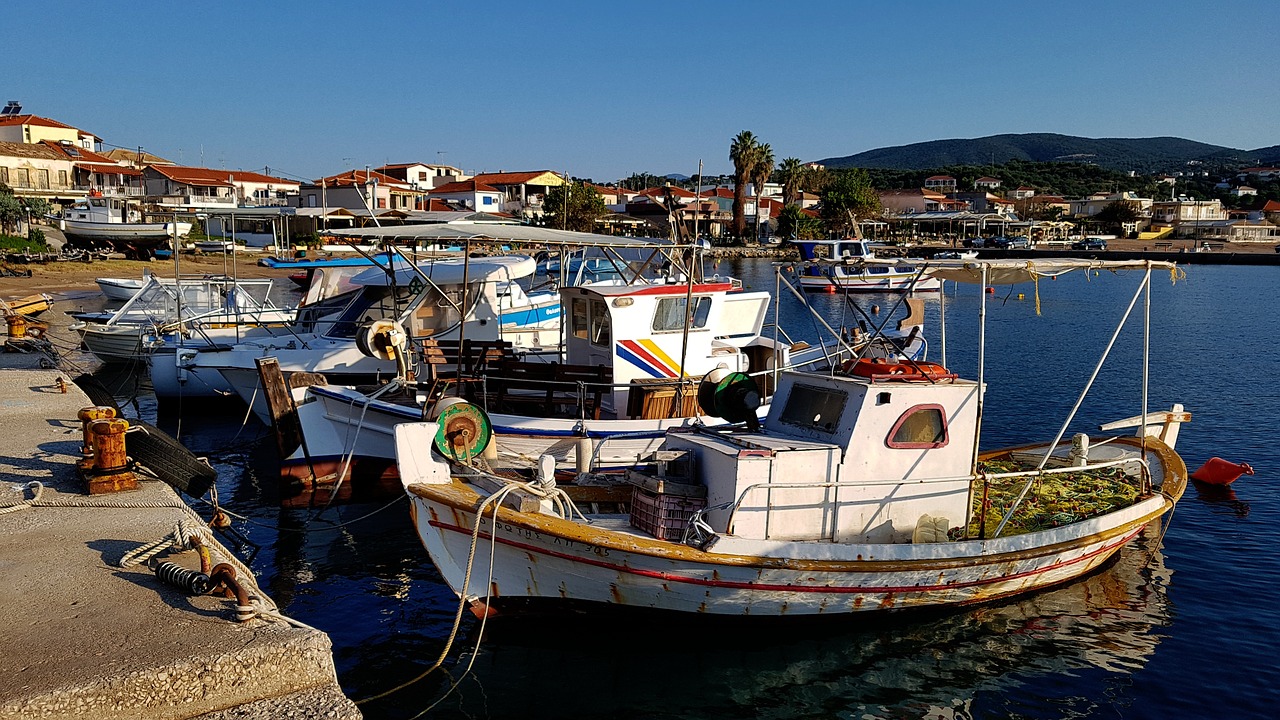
(464, 430)
(734, 396)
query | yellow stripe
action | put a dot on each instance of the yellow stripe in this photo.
(656, 351)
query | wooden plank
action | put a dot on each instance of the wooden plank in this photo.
(283, 413)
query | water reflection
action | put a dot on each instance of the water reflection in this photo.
(1079, 643)
(1220, 499)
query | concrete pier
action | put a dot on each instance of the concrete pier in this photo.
(84, 638)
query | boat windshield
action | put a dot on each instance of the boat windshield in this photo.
(375, 302)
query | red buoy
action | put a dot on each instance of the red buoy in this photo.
(991, 290)
(1217, 471)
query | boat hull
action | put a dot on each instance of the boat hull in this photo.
(119, 289)
(869, 283)
(539, 555)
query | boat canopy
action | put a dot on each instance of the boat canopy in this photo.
(450, 272)
(459, 232)
(1013, 271)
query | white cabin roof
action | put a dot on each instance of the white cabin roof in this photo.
(451, 271)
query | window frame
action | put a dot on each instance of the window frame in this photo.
(902, 419)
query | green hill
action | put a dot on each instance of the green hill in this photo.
(1145, 155)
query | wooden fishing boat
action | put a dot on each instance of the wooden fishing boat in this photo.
(863, 490)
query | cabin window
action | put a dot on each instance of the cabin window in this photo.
(98, 202)
(578, 313)
(670, 314)
(920, 427)
(813, 408)
(601, 330)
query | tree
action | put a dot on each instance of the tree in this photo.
(795, 224)
(848, 197)
(38, 207)
(574, 206)
(642, 181)
(792, 174)
(743, 153)
(759, 176)
(11, 210)
(1117, 213)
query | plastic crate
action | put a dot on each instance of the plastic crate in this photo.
(661, 515)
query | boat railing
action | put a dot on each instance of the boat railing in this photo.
(986, 478)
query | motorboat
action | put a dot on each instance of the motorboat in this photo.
(863, 489)
(851, 269)
(115, 223)
(204, 309)
(426, 297)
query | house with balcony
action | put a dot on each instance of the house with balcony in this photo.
(359, 190)
(523, 192)
(97, 174)
(1187, 217)
(986, 183)
(35, 170)
(914, 201)
(469, 195)
(940, 184)
(32, 129)
(195, 187)
(423, 176)
(1095, 203)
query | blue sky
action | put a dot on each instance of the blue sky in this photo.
(605, 89)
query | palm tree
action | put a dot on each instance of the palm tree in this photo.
(759, 176)
(743, 155)
(792, 173)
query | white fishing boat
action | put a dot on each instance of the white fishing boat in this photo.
(863, 490)
(854, 269)
(113, 222)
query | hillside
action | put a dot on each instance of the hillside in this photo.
(1141, 154)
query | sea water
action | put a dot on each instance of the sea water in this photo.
(1186, 627)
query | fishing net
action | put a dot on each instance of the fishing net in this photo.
(1053, 501)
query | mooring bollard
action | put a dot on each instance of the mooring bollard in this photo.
(17, 325)
(87, 416)
(110, 471)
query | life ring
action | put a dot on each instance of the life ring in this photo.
(882, 369)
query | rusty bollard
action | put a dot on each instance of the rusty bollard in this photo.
(110, 471)
(87, 416)
(17, 325)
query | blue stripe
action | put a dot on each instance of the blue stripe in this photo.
(531, 316)
(630, 357)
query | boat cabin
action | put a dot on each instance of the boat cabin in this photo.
(638, 331)
(102, 210)
(843, 458)
(434, 309)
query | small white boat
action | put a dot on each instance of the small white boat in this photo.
(863, 491)
(120, 289)
(851, 267)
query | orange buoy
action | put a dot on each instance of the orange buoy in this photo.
(1216, 471)
(991, 290)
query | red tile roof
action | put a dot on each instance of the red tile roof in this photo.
(464, 186)
(1271, 206)
(511, 178)
(82, 154)
(29, 150)
(939, 177)
(109, 169)
(661, 192)
(208, 177)
(360, 177)
(32, 120)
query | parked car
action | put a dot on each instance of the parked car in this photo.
(1020, 242)
(980, 242)
(1092, 243)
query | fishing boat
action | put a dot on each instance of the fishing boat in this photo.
(863, 489)
(113, 222)
(854, 269)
